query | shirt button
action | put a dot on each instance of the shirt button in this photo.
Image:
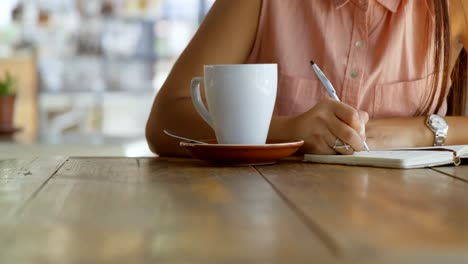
(358, 44)
(354, 74)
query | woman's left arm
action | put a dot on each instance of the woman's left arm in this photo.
(412, 131)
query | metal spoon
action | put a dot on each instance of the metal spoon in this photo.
(172, 134)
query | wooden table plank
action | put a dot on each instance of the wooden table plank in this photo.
(122, 170)
(459, 172)
(374, 213)
(20, 179)
(174, 211)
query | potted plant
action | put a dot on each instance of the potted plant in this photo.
(7, 101)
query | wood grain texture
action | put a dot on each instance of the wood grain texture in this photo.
(159, 211)
(379, 214)
(459, 172)
(123, 170)
(20, 180)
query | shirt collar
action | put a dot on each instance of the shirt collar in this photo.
(391, 5)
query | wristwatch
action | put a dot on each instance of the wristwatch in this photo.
(439, 126)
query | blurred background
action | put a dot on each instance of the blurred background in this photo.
(87, 71)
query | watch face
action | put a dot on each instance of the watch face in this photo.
(438, 122)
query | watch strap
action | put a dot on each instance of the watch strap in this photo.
(439, 139)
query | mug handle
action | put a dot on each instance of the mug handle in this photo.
(198, 102)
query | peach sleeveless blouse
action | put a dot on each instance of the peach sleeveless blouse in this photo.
(377, 53)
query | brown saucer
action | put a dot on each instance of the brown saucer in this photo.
(8, 131)
(269, 153)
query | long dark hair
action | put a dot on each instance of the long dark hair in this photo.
(456, 95)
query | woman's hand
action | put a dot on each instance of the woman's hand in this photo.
(327, 121)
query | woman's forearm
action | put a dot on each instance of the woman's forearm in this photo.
(177, 115)
(413, 132)
(458, 130)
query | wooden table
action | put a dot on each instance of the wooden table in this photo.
(162, 210)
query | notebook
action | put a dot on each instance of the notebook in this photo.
(408, 158)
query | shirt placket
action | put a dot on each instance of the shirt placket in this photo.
(355, 68)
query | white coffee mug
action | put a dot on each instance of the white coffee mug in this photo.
(240, 98)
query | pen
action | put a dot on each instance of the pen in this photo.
(327, 84)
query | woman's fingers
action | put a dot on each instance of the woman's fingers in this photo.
(346, 134)
(342, 148)
(321, 141)
(332, 127)
(349, 126)
(348, 115)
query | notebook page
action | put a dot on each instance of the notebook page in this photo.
(390, 154)
(455, 148)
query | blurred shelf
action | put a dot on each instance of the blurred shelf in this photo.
(144, 92)
(142, 58)
(90, 139)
